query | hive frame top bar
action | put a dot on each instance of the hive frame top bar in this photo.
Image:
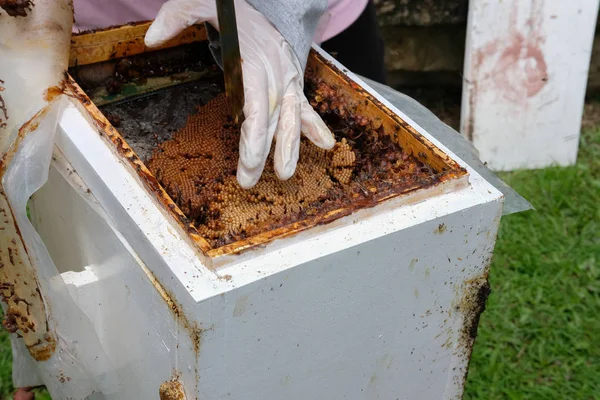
(95, 47)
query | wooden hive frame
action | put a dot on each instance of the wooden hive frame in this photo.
(116, 42)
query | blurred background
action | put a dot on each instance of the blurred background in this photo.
(539, 337)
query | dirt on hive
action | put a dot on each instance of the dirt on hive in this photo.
(197, 167)
(16, 8)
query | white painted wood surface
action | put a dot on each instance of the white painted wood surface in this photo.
(368, 308)
(372, 306)
(525, 75)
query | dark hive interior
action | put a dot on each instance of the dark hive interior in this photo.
(184, 136)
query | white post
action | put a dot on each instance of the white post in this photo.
(526, 67)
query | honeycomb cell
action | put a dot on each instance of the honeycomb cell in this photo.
(197, 167)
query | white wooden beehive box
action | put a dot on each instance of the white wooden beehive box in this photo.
(378, 302)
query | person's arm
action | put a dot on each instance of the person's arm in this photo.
(296, 20)
(274, 51)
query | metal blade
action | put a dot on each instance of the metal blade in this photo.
(232, 61)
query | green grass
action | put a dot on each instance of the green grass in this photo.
(5, 365)
(540, 335)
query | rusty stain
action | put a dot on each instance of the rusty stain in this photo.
(4, 115)
(512, 78)
(27, 128)
(16, 8)
(44, 349)
(515, 64)
(10, 256)
(191, 327)
(440, 229)
(470, 124)
(473, 305)
(393, 126)
(478, 59)
(25, 310)
(53, 92)
(527, 51)
(172, 390)
(62, 378)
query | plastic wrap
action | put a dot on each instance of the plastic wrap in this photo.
(69, 372)
(455, 142)
(33, 58)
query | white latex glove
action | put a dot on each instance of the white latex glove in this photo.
(275, 104)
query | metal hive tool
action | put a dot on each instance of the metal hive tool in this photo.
(232, 61)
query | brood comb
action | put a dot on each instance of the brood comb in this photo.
(197, 167)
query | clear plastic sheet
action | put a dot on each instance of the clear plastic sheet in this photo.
(455, 142)
(87, 371)
(33, 57)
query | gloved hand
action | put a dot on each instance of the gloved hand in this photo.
(275, 104)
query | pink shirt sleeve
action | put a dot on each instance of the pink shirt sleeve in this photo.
(342, 14)
(97, 14)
